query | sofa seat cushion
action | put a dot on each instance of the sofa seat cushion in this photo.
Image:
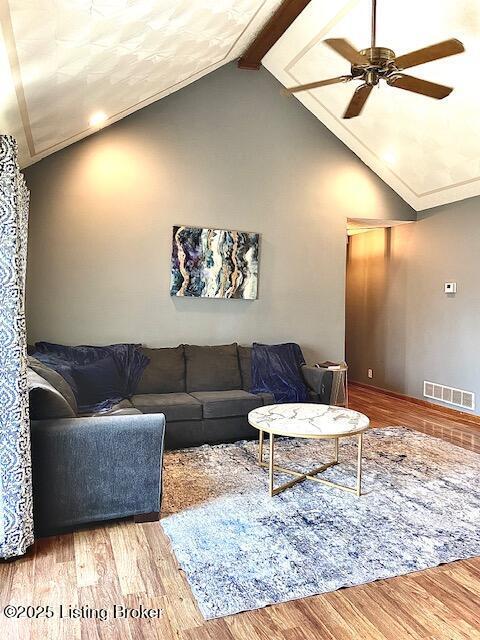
(266, 397)
(175, 406)
(225, 404)
(212, 368)
(165, 372)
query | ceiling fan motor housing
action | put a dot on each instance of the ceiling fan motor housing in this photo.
(380, 63)
(380, 56)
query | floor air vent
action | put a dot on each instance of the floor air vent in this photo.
(450, 395)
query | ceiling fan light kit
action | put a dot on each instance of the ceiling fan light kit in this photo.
(374, 64)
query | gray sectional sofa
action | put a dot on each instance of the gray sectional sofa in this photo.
(109, 465)
(204, 392)
(94, 469)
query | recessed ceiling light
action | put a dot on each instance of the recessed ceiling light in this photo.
(97, 119)
(389, 156)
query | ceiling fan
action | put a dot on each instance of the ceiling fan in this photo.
(378, 63)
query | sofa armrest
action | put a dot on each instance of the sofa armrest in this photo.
(94, 469)
(319, 380)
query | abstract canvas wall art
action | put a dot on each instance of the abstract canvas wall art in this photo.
(214, 263)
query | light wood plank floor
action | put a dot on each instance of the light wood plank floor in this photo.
(131, 564)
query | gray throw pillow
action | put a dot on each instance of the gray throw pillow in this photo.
(165, 373)
(56, 380)
(46, 402)
(212, 368)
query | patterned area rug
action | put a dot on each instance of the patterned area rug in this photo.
(241, 549)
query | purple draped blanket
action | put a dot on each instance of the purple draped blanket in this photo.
(99, 376)
(276, 369)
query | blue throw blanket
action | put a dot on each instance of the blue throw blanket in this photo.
(99, 376)
(276, 370)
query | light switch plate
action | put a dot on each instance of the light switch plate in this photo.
(450, 287)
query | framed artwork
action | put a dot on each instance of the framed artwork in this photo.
(214, 263)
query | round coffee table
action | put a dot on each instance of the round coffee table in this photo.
(305, 420)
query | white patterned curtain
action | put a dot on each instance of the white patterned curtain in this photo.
(16, 522)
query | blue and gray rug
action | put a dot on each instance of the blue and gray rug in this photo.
(241, 549)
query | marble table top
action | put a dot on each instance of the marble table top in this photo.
(307, 420)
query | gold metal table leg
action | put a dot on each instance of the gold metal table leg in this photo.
(359, 464)
(260, 447)
(311, 475)
(270, 470)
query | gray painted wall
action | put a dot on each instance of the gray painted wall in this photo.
(228, 151)
(399, 322)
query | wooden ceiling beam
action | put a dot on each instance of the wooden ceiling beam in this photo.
(271, 32)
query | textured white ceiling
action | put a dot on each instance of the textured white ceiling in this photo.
(62, 60)
(427, 150)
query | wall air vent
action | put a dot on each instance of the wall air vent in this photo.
(450, 395)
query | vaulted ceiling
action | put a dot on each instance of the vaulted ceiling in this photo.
(426, 150)
(63, 60)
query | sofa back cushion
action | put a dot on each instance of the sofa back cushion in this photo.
(165, 373)
(46, 401)
(245, 359)
(212, 368)
(57, 381)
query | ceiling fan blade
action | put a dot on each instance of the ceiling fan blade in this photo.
(358, 100)
(320, 83)
(428, 54)
(425, 88)
(346, 50)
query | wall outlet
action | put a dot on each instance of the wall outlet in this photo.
(370, 373)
